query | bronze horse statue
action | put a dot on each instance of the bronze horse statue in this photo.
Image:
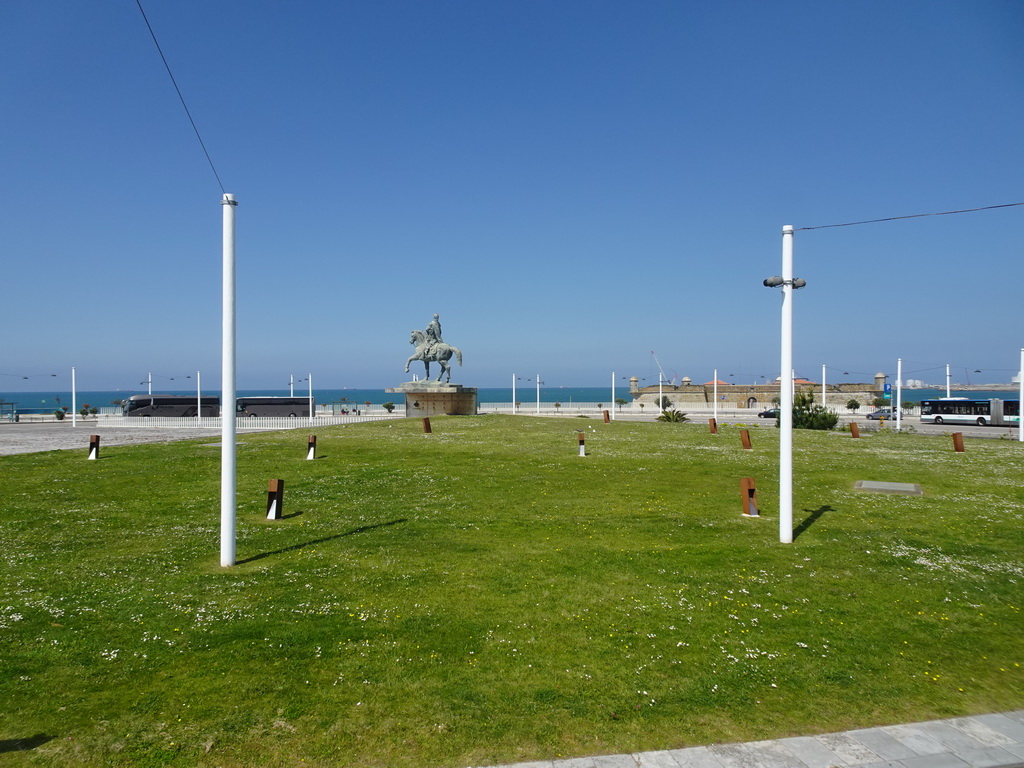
(433, 352)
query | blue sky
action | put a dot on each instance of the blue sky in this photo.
(570, 185)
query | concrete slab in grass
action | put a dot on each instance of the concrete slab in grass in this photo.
(877, 486)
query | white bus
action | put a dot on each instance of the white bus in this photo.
(171, 405)
(273, 406)
(960, 410)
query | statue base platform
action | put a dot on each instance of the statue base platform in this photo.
(432, 398)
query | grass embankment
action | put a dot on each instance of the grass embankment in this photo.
(482, 594)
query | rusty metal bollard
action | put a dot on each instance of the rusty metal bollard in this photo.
(748, 497)
(275, 499)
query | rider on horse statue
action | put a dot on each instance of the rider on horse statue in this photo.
(433, 332)
(430, 347)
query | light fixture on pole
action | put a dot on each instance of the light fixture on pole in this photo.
(788, 284)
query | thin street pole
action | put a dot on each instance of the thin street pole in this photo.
(786, 393)
(1020, 401)
(613, 395)
(513, 394)
(228, 480)
(538, 394)
(74, 397)
(199, 398)
(714, 385)
(899, 393)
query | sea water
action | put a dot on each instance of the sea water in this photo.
(47, 402)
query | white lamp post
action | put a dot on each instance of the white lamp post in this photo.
(228, 481)
(513, 394)
(788, 284)
(899, 394)
(714, 385)
(1020, 416)
(613, 395)
(312, 402)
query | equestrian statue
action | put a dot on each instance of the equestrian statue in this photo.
(431, 348)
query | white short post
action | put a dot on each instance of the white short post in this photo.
(311, 448)
(583, 450)
(94, 447)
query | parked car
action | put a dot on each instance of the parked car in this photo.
(881, 413)
(769, 413)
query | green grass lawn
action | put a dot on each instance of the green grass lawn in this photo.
(484, 595)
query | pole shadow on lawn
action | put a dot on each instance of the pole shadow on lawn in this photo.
(293, 547)
(811, 519)
(24, 745)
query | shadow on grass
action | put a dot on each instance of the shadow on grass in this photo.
(293, 547)
(24, 745)
(811, 519)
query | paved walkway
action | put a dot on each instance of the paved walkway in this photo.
(985, 741)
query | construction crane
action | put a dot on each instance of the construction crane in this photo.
(661, 371)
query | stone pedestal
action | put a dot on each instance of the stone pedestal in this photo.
(432, 398)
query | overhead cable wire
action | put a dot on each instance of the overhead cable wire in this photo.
(911, 216)
(180, 96)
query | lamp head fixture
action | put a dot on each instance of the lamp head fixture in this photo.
(776, 280)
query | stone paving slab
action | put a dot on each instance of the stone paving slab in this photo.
(878, 486)
(984, 741)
